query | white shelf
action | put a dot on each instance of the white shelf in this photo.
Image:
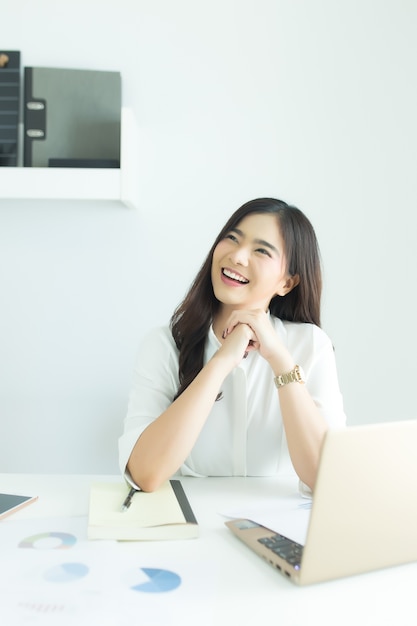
(62, 183)
(31, 183)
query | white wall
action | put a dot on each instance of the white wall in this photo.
(312, 101)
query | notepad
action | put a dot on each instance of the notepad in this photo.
(10, 503)
(160, 515)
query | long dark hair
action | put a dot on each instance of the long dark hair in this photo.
(191, 320)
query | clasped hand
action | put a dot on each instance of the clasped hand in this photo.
(246, 331)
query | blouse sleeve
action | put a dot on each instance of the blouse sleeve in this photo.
(316, 355)
(322, 379)
(314, 352)
(155, 384)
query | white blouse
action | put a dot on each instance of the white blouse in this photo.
(243, 434)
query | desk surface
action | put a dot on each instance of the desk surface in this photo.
(223, 582)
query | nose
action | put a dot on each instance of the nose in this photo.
(240, 255)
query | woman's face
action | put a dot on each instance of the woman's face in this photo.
(249, 265)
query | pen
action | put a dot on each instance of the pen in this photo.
(128, 500)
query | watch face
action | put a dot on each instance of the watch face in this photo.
(300, 376)
(295, 376)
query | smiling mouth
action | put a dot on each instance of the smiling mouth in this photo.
(236, 277)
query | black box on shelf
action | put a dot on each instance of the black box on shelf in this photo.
(9, 106)
(71, 117)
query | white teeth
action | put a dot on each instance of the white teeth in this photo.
(230, 274)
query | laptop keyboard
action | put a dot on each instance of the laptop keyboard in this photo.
(285, 548)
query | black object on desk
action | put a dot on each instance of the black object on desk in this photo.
(10, 503)
(9, 106)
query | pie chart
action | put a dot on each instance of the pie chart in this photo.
(49, 541)
(157, 581)
(66, 572)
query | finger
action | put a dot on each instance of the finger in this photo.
(231, 325)
(244, 327)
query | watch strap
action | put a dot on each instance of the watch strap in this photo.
(294, 376)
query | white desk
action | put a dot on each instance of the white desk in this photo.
(223, 581)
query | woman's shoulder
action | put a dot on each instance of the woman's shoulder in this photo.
(158, 337)
(298, 331)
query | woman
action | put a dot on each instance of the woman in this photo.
(244, 381)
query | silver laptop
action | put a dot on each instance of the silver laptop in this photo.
(364, 510)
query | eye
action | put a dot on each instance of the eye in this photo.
(232, 237)
(263, 251)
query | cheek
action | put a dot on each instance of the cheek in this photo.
(219, 251)
(273, 278)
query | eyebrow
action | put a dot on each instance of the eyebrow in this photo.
(261, 242)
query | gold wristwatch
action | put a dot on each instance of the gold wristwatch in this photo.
(295, 376)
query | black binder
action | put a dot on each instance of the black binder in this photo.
(71, 117)
(9, 106)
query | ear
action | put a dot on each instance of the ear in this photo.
(289, 284)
